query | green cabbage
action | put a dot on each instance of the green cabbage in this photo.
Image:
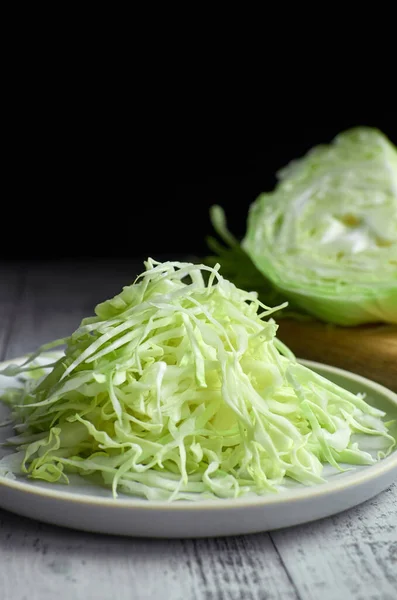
(326, 237)
(178, 388)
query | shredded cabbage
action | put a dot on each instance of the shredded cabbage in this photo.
(326, 237)
(178, 388)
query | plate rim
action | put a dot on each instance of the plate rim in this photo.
(296, 494)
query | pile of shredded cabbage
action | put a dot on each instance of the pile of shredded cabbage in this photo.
(179, 389)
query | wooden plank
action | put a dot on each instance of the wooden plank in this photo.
(238, 567)
(350, 556)
(42, 562)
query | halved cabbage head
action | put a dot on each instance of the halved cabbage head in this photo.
(326, 237)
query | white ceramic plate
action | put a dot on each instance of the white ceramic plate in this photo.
(84, 506)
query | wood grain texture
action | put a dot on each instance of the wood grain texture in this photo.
(370, 351)
(42, 562)
(352, 556)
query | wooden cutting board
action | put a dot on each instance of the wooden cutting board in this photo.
(370, 350)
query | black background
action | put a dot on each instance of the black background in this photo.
(96, 192)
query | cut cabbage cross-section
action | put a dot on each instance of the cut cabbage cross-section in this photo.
(326, 237)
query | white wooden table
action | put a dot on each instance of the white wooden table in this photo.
(352, 555)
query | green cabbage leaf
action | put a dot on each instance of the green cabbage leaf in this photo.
(326, 237)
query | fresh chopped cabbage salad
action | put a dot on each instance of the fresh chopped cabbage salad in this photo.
(178, 389)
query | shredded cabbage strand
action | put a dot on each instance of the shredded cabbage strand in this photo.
(178, 388)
